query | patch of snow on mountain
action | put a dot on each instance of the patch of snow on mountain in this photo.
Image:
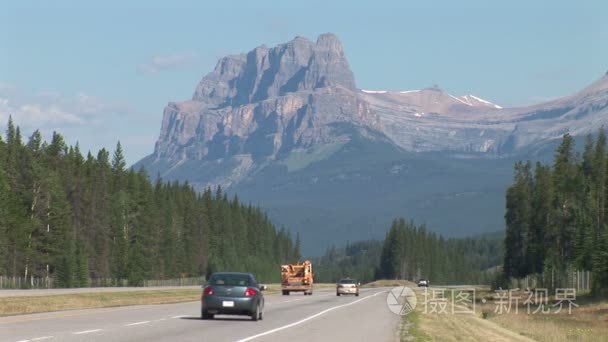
(460, 100)
(482, 101)
(374, 91)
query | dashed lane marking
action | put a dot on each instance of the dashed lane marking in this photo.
(136, 323)
(37, 339)
(86, 332)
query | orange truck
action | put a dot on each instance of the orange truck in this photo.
(297, 277)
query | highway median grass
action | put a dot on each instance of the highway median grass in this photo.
(35, 304)
(10, 306)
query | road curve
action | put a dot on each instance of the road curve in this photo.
(320, 317)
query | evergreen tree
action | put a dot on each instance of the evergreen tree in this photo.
(81, 266)
(3, 214)
(517, 219)
(118, 160)
(541, 213)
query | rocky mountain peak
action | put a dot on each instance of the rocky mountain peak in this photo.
(267, 102)
(330, 41)
(263, 72)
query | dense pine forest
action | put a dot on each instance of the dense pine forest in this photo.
(73, 218)
(411, 251)
(557, 215)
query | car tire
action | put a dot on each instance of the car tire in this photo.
(205, 315)
(255, 315)
(357, 294)
(285, 293)
(338, 294)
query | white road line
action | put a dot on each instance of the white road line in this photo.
(86, 332)
(179, 316)
(136, 323)
(307, 318)
(37, 339)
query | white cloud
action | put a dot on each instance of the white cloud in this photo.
(167, 62)
(51, 109)
(91, 121)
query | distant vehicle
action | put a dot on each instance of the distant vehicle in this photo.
(347, 286)
(297, 277)
(232, 293)
(423, 282)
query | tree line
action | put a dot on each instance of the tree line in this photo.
(72, 217)
(412, 252)
(556, 215)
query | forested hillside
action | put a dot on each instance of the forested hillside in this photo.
(411, 251)
(73, 217)
(557, 215)
(358, 260)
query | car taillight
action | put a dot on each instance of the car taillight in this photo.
(208, 291)
(250, 292)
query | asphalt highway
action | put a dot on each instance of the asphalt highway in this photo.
(320, 317)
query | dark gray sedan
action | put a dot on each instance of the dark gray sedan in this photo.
(232, 293)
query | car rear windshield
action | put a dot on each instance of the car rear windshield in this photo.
(347, 281)
(230, 279)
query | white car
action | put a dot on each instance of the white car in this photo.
(423, 282)
(347, 286)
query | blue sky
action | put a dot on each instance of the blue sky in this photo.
(102, 72)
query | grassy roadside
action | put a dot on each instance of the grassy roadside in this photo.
(410, 328)
(588, 322)
(425, 325)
